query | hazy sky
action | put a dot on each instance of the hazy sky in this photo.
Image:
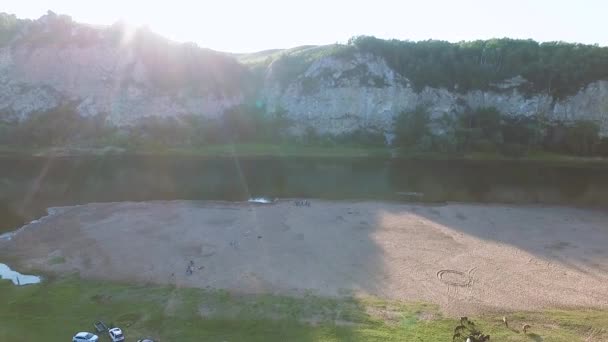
(252, 25)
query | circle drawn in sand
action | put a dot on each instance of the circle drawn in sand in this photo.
(454, 278)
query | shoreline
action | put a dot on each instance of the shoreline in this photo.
(262, 151)
(50, 211)
(54, 210)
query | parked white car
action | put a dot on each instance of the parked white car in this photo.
(85, 337)
(116, 335)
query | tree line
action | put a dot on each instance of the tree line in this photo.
(63, 126)
(476, 130)
(490, 131)
(557, 68)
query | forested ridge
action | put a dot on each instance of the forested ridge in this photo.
(557, 68)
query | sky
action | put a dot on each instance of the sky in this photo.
(254, 25)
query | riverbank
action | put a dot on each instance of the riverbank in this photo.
(289, 150)
(467, 259)
(210, 151)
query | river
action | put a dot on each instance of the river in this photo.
(29, 185)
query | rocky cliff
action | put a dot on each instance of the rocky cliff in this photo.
(337, 95)
(129, 75)
(123, 74)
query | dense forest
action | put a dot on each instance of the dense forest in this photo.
(557, 68)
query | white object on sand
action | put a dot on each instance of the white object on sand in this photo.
(16, 277)
(262, 200)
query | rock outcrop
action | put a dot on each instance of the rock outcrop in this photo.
(338, 95)
(130, 75)
(124, 75)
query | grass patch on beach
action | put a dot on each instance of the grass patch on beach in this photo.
(56, 260)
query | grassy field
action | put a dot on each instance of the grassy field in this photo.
(56, 309)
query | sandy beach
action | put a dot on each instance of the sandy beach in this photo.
(467, 258)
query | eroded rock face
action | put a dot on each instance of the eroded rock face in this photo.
(103, 76)
(99, 74)
(339, 95)
(98, 79)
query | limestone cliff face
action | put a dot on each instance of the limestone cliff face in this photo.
(339, 95)
(101, 75)
(130, 76)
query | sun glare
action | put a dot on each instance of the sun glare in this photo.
(247, 26)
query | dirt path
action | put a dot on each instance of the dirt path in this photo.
(466, 258)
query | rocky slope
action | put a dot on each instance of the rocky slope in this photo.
(129, 75)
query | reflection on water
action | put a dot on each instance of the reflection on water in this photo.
(30, 185)
(16, 277)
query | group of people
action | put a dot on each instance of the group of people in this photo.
(190, 268)
(302, 203)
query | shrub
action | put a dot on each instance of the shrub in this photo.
(411, 127)
(513, 150)
(485, 123)
(582, 138)
(484, 145)
(362, 137)
(58, 127)
(526, 131)
(602, 147)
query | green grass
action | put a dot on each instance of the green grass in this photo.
(6, 150)
(270, 150)
(344, 151)
(56, 260)
(223, 150)
(535, 156)
(57, 308)
(257, 150)
(306, 55)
